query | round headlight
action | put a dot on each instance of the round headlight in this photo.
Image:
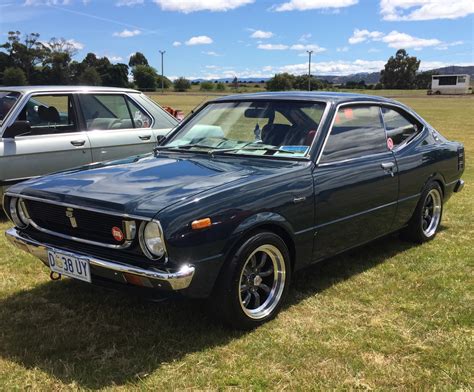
(17, 214)
(151, 240)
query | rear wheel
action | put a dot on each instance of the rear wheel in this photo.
(426, 219)
(253, 285)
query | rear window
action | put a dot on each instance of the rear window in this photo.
(8, 100)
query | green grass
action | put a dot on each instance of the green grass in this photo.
(390, 315)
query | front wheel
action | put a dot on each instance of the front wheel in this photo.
(426, 219)
(252, 286)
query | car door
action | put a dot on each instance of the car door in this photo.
(52, 142)
(117, 126)
(355, 182)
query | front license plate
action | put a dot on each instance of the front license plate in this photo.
(65, 264)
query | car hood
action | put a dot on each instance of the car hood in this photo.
(144, 185)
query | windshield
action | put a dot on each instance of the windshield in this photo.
(8, 99)
(270, 128)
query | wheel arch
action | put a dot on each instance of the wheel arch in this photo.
(271, 222)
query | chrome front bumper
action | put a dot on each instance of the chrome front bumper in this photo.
(167, 280)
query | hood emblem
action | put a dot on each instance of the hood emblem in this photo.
(72, 219)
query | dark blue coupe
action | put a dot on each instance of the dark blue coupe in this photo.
(241, 194)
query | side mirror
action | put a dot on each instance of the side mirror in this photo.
(16, 129)
(160, 140)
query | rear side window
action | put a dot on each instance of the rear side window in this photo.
(112, 111)
(48, 114)
(399, 126)
(357, 131)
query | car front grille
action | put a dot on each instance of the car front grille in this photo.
(76, 222)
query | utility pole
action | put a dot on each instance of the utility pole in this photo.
(162, 52)
(310, 52)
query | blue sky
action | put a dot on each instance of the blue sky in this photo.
(254, 38)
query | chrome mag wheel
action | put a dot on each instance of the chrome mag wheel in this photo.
(431, 213)
(262, 281)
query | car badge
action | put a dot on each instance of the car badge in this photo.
(117, 234)
(72, 219)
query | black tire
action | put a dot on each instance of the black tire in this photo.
(422, 226)
(227, 302)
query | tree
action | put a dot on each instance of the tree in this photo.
(300, 82)
(137, 59)
(400, 71)
(90, 77)
(280, 82)
(144, 77)
(207, 86)
(182, 84)
(14, 76)
(166, 82)
(423, 79)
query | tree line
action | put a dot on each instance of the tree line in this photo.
(27, 60)
(400, 72)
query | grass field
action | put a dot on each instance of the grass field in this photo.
(390, 315)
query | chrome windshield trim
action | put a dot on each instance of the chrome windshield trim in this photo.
(105, 212)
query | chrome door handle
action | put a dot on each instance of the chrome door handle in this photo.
(387, 165)
(78, 143)
(145, 137)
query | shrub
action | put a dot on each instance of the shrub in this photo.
(220, 86)
(207, 86)
(182, 84)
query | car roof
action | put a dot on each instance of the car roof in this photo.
(43, 89)
(322, 96)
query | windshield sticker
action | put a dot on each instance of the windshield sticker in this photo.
(300, 150)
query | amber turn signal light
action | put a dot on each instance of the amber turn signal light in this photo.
(201, 223)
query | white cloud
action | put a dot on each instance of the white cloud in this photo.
(335, 67)
(373, 50)
(128, 3)
(262, 34)
(343, 49)
(46, 2)
(363, 35)
(211, 53)
(115, 59)
(76, 45)
(398, 40)
(394, 10)
(445, 45)
(127, 33)
(273, 47)
(304, 5)
(177, 43)
(305, 37)
(199, 40)
(402, 40)
(187, 6)
(314, 48)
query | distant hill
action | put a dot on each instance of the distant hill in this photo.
(367, 77)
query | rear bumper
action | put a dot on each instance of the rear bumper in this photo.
(115, 271)
(459, 186)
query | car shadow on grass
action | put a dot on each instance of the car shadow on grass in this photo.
(96, 338)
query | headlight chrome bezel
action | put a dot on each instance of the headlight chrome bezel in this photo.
(18, 214)
(144, 242)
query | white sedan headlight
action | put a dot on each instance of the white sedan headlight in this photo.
(151, 240)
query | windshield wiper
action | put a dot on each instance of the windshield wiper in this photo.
(258, 148)
(181, 147)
